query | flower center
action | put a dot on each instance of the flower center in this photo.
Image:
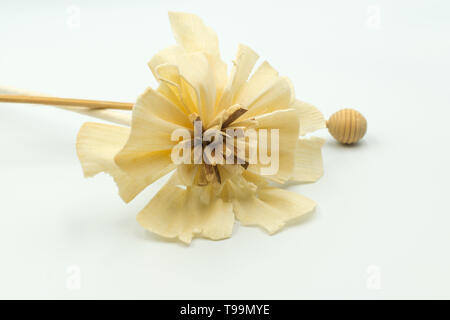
(211, 140)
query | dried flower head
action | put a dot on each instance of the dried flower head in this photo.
(203, 197)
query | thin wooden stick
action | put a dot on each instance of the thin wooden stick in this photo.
(92, 104)
(114, 116)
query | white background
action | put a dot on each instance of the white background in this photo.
(381, 229)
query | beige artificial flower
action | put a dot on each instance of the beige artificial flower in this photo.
(200, 199)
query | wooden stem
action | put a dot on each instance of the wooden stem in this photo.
(115, 116)
(92, 104)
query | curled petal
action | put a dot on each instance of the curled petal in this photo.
(186, 94)
(171, 92)
(183, 213)
(97, 144)
(169, 73)
(311, 119)
(195, 69)
(308, 160)
(174, 87)
(166, 56)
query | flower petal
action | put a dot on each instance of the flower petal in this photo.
(171, 93)
(243, 65)
(195, 69)
(269, 208)
(286, 121)
(194, 36)
(308, 160)
(186, 95)
(265, 92)
(149, 145)
(273, 95)
(168, 55)
(186, 173)
(263, 75)
(176, 89)
(311, 119)
(169, 74)
(181, 213)
(97, 144)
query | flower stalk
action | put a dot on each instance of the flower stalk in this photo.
(67, 102)
(99, 112)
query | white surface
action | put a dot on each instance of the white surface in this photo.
(383, 205)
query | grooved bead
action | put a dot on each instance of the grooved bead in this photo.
(347, 126)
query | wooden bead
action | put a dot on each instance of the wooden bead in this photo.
(347, 126)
